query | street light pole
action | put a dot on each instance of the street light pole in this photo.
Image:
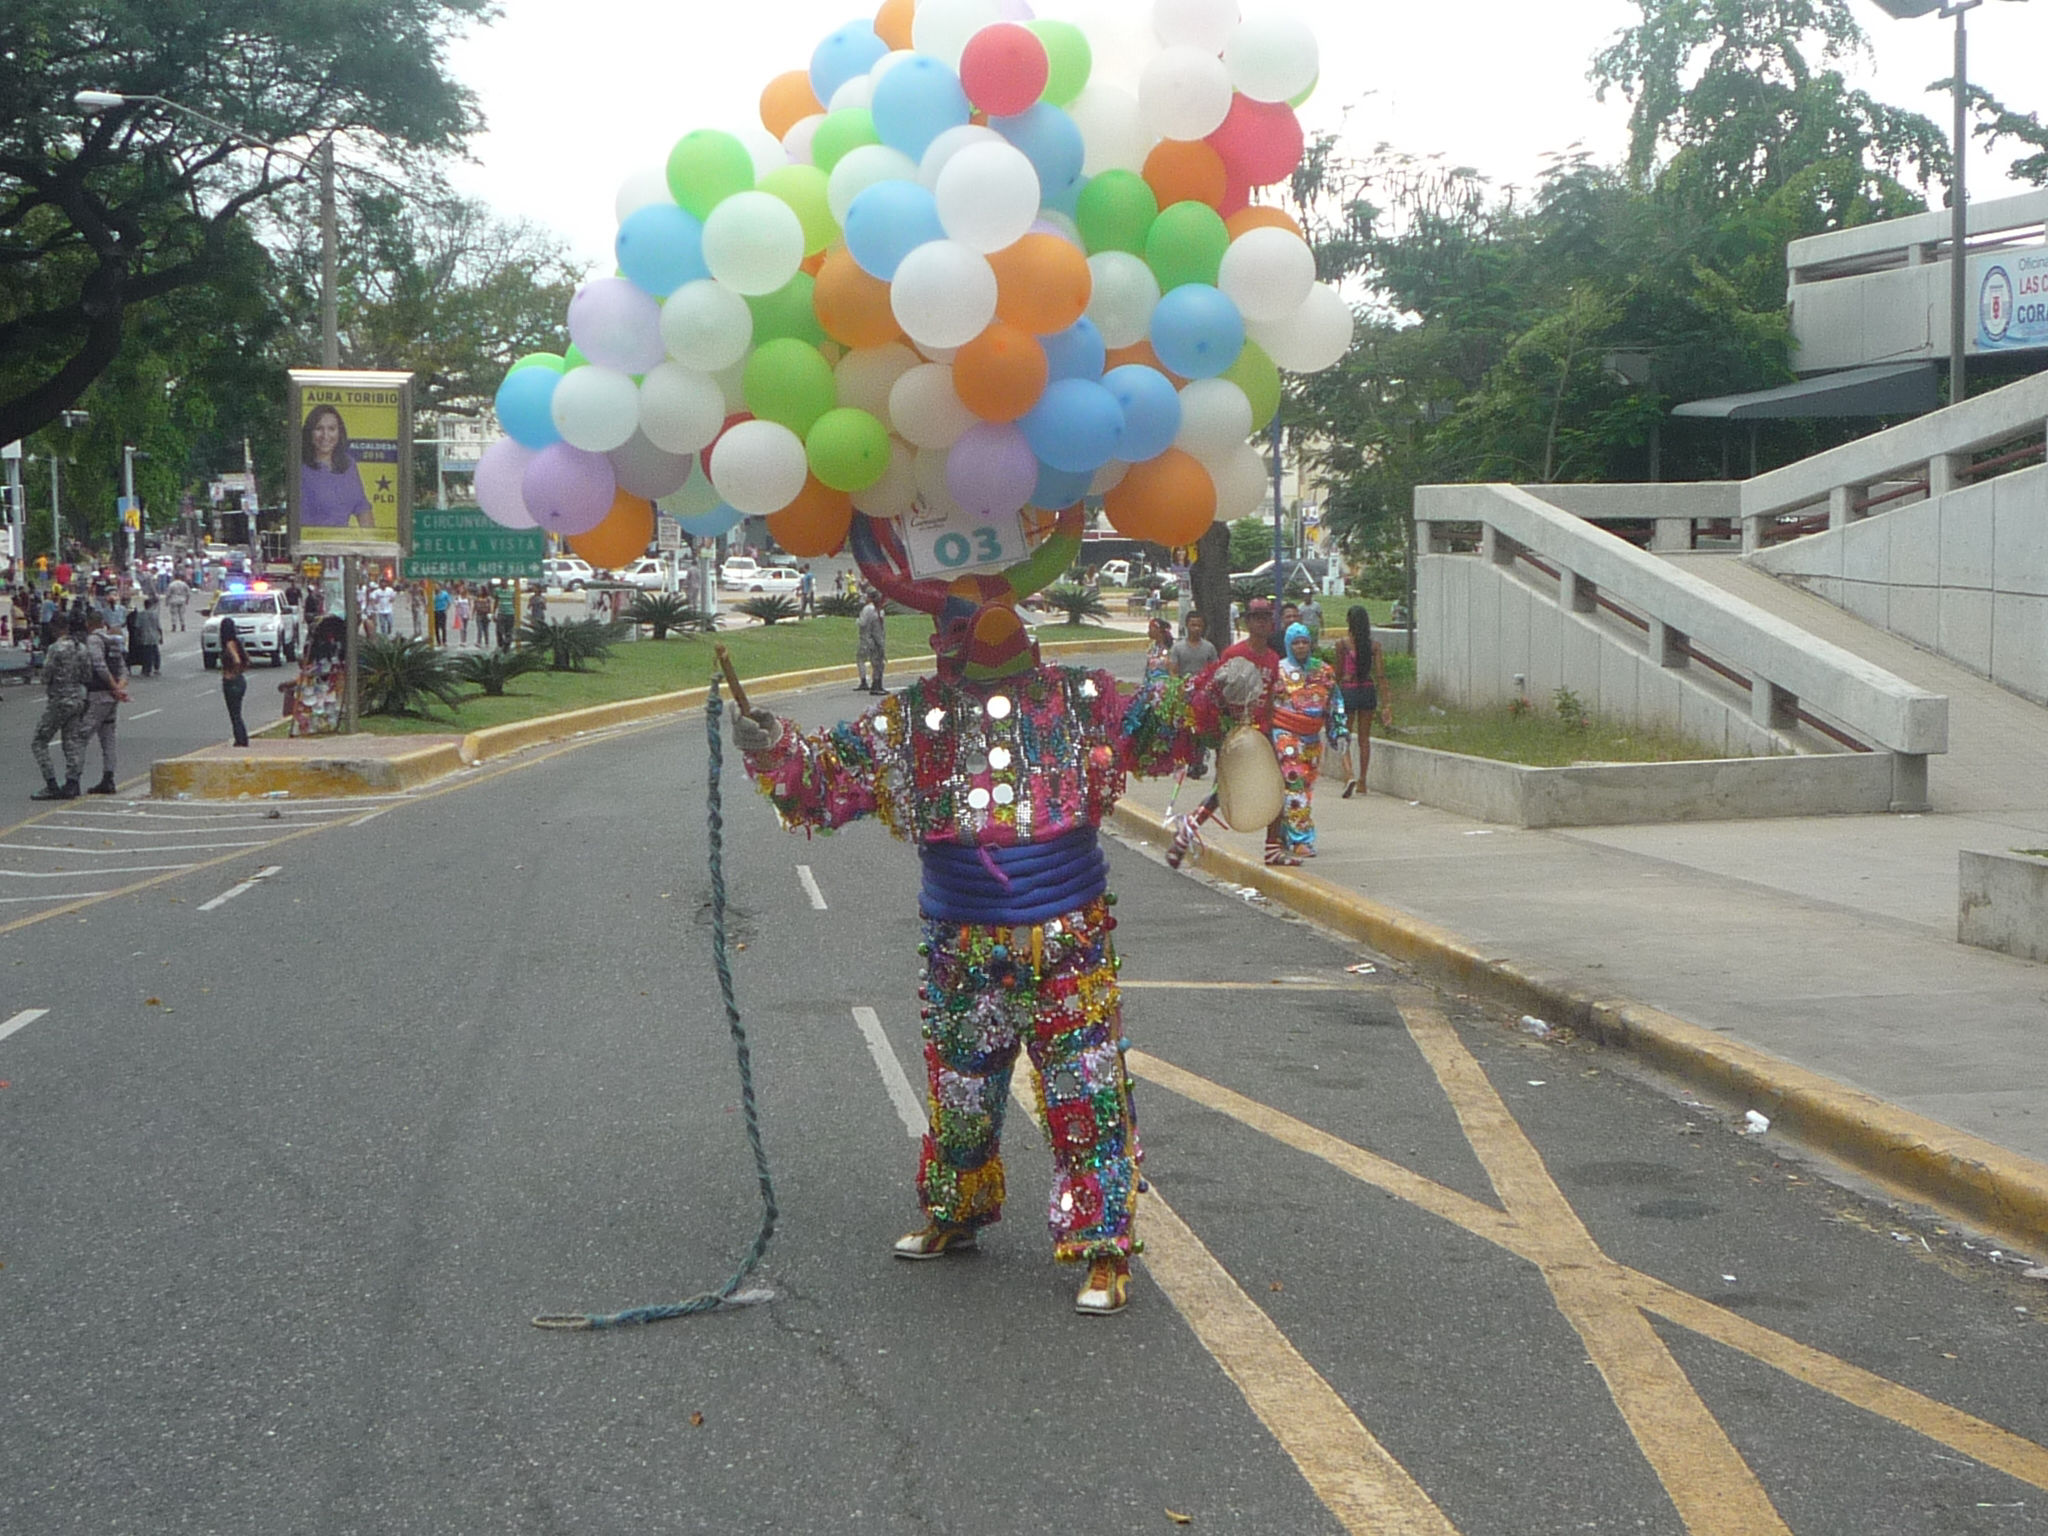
(1959, 221)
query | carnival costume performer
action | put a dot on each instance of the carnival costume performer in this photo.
(1307, 707)
(1001, 769)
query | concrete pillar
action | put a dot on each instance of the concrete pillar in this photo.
(1669, 647)
(1842, 507)
(1425, 539)
(1944, 474)
(1753, 534)
(1496, 548)
(1772, 707)
(1575, 594)
(1909, 781)
(1670, 534)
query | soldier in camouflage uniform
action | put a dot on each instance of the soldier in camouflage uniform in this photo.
(66, 671)
(105, 693)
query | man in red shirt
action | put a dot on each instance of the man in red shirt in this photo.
(1258, 648)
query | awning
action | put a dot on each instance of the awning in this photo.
(1888, 389)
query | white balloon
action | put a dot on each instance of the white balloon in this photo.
(938, 354)
(643, 189)
(893, 494)
(865, 376)
(753, 243)
(1267, 273)
(1184, 94)
(925, 409)
(1061, 224)
(1204, 24)
(940, 152)
(766, 149)
(706, 326)
(941, 27)
(859, 169)
(1113, 134)
(1122, 298)
(1272, 58)
(1109, 477)
(595, 408)
(1215, 420)
(1313, 337)
(796, 144)
(857, 92)
(943, 294)
(889, 61)
(646, 469)
(1120, 38)
(929, 475)
(987, 196)
(680, 410)
(759, 467)
(1243, 483)
(732, 384)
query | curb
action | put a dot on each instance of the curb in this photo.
(1909, 1155)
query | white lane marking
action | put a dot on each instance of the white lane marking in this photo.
(59, 895)
(144, 715)
(233, 891)
(72, 874)
(65, 826)
(21, 1020)
(908, 1109)
(115, 853)
(810, 885)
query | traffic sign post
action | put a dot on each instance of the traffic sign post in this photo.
(462, 544)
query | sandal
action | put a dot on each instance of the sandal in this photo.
(1107, 1289)
(1280, 858)
(936, 1241)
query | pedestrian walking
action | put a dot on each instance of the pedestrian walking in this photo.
(234, 682)
(105, 693)
(508, 615)
(443, 601)
(1308, 709)
(871, 645)
(66, 671)
(461, 608)
(1196, 651)
(1362, 674)
(806, 594)
(149, 638)
(176, 597)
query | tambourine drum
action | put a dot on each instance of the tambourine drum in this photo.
(1248, 787)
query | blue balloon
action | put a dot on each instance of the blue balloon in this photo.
(1151, 410)
(1196, 331)
(888, 221)
(847, 53)
(660, 248)
(1076, 425)
(1058, 489)
(1067, 201)
(523, 406)
(1075, 353)
(721, 519)
(915, 102)
(1051, 142)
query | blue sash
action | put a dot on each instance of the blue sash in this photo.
(1012, 887)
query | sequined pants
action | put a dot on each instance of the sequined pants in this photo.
(985, 994)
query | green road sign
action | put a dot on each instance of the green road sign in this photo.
(461, 544)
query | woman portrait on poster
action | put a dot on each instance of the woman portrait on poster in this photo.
(330, 489)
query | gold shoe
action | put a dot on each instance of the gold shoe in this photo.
(1107, 1289)
(936, 1241)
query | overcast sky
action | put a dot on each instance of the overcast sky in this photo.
(580, 95)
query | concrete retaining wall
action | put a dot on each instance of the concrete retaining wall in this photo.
(1608, 794)
(2001, 902)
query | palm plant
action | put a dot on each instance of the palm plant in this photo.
(1081, 605)
(492, 670)
(840, 605)
(399, 673)
(770, 608)
(569, 643)
(664, 611)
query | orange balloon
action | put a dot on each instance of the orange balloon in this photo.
(817, 522)
(788, 100)
(852, 306)
(1169, 500)
(1258, 216)
(892, 22)
(1140, 352)
(1042, 283)
(1185, 171)
(1001, 373)
(812, 264)
(622, 537)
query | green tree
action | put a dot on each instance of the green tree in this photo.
(1251, 543)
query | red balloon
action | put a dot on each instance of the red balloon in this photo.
(709, 448)
(1004, 69)
(1260, 141)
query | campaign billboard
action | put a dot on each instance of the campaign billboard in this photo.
(350, 463)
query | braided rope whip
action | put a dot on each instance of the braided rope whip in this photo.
(707, 1301)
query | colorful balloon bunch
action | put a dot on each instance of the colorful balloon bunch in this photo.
(964, 268)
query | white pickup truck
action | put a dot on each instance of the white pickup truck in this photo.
(267, 627)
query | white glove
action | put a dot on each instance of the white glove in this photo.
(1239, 683)
(755, 732)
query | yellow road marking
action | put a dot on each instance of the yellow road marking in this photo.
(1709, 1483)
(1959, 1431)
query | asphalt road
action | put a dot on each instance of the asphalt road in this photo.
(282, 1181)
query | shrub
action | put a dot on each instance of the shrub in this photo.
(569, 643)
(1081, 605)
(664, 611)
(492, 670)
(399, 673)
(840, 605)
(770, 608)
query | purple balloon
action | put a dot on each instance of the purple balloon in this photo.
(1016, 10)
(617, 325)
(567, 490)
(991, 469)
(497, 483)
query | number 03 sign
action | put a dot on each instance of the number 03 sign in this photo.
(945, 542)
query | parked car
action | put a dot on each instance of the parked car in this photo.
(738, 571)
(771, 578)
(265, 626)
(567, 573)
(649, 573)
(1116, 573)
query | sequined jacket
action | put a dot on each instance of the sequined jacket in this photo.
(1022, 760)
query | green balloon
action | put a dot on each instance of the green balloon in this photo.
(1068, 54)
(840, 134)
(1306, 92)
(789, 382)
(572, 357)
(1254, 373)
(1115, 211)
(554, 362)
(707, 167)
(802, 187)
(787, 313)
(848, 449)
(1185, 245)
